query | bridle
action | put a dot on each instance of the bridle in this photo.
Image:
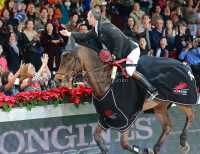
(70, 76)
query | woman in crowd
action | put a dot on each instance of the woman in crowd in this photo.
(47, 85)
(51, 41)
(37, 79)
(129, 30)
(14, 53)
(177, 10)
(162, 51)
(56, 24)
(166, 13)
(169, 32)
(6, 16)
(137, 13)
(191, 16)
(9, 5)
(8, 80)
(143, 47)
(31, 43)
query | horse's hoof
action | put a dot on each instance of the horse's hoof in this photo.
(148, 151)
(186, 148)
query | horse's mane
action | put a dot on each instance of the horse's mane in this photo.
(89, 46)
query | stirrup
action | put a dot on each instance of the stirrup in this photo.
(152, 96)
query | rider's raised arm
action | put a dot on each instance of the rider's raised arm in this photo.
(84, 36)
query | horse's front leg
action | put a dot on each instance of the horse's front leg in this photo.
(97, 138)
(134, 149)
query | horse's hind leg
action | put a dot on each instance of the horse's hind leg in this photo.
(161, 113)
(190, 112)
(97, 138)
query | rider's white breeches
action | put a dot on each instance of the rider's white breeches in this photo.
(134, 56)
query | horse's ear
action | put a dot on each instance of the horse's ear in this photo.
(71, 46)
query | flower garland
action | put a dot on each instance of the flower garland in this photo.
(54, 96)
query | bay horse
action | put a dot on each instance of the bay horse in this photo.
(87, 62)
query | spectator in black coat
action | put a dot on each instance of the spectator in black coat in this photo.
(31, 43)
(14, 53)
(129, 30)
(51, 43)
(179, 42)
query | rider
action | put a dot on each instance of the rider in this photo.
(116, 42)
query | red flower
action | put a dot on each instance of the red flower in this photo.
(77, 100)
(107, 112)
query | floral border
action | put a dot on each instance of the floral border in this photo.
(55, 96)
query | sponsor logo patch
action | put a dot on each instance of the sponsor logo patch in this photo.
(180, 89)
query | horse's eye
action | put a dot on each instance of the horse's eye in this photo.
(69, 58)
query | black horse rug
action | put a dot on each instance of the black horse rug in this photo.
(174, 80)
(121, 104)
(124, 101)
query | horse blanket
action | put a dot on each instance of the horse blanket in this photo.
(123, 102)
(174, 80)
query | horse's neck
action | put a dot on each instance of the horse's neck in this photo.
(96, 75)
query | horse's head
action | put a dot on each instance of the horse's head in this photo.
(69, 66)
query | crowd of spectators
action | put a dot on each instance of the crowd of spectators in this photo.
(30, 41)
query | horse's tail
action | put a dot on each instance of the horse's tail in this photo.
(196, 72)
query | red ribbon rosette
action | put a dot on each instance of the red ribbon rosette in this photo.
(105, 55)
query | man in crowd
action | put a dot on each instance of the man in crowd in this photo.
(92, 42)
(156, 34)
(39, 27)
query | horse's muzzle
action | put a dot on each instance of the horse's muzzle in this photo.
(58, 81)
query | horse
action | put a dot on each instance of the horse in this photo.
(86, 61)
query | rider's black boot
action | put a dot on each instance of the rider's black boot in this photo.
(153, 91)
